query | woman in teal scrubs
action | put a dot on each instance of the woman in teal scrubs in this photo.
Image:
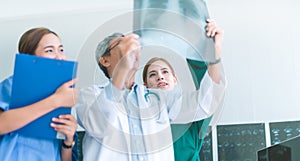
(188, 138)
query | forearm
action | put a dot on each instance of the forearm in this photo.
(214, 72)
(19, 117)
(119, 77)
(66, 154)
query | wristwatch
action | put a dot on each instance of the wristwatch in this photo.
(214, 62)
(68, 146)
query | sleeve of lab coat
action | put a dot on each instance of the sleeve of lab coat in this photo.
(192, 106)
(97, 109)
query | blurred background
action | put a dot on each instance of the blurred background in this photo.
(260, 57)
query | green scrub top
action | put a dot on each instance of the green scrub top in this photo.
(187, 137)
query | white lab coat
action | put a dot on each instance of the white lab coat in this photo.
(122, 123)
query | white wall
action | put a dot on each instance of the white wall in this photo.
(261, 57)
(260, 53)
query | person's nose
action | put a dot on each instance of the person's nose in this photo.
(58, 55)
(160, 76)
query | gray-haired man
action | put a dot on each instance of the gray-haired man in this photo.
(121, 120)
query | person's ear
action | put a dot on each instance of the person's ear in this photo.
(104, 61)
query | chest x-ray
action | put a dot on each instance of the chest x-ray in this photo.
(175, 24)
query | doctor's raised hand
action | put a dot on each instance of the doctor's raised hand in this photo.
(214, 68)
(121, 60)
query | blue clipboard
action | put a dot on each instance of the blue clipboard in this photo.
(34, 79)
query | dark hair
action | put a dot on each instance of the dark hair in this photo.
(31, 38)
(151, 61)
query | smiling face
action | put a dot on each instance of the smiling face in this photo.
(50, 47)
(160, 75)
(41, 42)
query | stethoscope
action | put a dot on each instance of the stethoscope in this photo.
(147, 96)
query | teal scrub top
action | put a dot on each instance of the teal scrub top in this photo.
(188, 146)
(187, 137)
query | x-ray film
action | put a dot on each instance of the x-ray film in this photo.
(180, 27)
(175, 24)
